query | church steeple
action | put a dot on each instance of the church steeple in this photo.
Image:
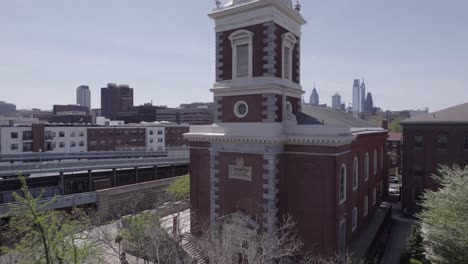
(257, 60)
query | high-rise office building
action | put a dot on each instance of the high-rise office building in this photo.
(356, 97)
(314, 97)
(114, 99)
(336, 101)
(363, 97)
(83, 96)
(369, 106)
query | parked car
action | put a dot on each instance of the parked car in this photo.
(394, 189)
(393, 179)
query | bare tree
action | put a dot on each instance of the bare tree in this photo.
(238, 238)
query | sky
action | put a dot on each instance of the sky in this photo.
(412, 53)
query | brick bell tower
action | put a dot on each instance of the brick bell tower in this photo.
(234, 162)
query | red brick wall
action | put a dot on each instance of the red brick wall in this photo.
(111, 136)
(429, 157)
(255, 108)
(38, 133)
(279, 103)
(240, 195)
(306, 191)
(199, 185)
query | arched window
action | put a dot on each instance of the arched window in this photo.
(442, 141)
(356, 173)
(366, 167)
(241, 43)
(375, 162)
(354, 219)
(342, 187)
(366, 205)
(382, 158)
(374, 196)
(289, 41)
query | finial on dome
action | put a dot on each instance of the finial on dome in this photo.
(218, 3)
(297, 7)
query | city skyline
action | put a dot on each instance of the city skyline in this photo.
(57, 46)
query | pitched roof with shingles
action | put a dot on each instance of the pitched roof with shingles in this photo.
(455, 114)
(334, 117)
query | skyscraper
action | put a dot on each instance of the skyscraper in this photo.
(369, 103)
(115, 99)
(336, 101)
(83, 96)
(356, 97)
(314, 97)
(363, 97)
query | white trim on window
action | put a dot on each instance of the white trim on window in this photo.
(289, 41)
(356, 173)
(342, 185)
(354, 219)
(239, 38)
(366, 167)
(238, 112)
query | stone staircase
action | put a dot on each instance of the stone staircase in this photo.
(187, 245)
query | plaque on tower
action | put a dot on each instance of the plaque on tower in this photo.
(239, 171)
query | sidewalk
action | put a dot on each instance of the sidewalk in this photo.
(399, 235)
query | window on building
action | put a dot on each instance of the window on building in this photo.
(151, 140)
(382, 158)
(442, 141)
(103, 142)
(14, 147)
(366, 205)
(93, 142)
(81, 133)
(419, 141)
(354, 219)
(27, 135)
(342, 196)
(73, 134)
(356, 174)
(151, 132)
(72, 144)
(465, 145)
(61, 134)
(289, 40)
(375, 162)
(118, 142)
(61, 144)
(366, 167)
(160, 140)
(160, 132)
(374, 196)
(160, 148)
(241, 43)
(14, 135)
(127, 132)
(81, 144)
(27, 147)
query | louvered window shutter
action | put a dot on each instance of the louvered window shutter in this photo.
(287, 63)
(243, 60)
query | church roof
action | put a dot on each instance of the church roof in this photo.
(455, 114)
(331, 116)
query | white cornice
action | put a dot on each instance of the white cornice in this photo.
(257, 85)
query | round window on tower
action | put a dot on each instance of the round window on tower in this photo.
(241, 109)
(288, 107)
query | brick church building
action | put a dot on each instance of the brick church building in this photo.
(268, 151)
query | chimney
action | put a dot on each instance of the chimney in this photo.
(11, 123)
(385, 124)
